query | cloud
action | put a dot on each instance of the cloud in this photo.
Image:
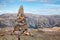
(48, 11)
(35, 0)
(31, 0)
(44, 11)
(26, 0)
(43, 1)
(0, 11)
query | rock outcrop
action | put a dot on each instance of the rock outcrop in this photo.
(33, 21)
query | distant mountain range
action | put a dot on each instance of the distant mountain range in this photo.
(33, 20)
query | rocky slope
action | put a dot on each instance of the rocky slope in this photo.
(33, 20)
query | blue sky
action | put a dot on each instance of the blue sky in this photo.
(42, 7)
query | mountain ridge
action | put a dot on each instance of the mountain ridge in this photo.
(33, 20)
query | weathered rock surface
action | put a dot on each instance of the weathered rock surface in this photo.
(33, 21)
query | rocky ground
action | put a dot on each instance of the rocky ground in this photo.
(38, 34)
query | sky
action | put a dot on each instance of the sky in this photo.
(41, 7)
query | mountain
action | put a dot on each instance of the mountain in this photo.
(33, 20)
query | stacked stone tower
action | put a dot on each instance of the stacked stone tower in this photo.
(21, 24)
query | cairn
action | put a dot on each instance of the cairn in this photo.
(21, 25)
